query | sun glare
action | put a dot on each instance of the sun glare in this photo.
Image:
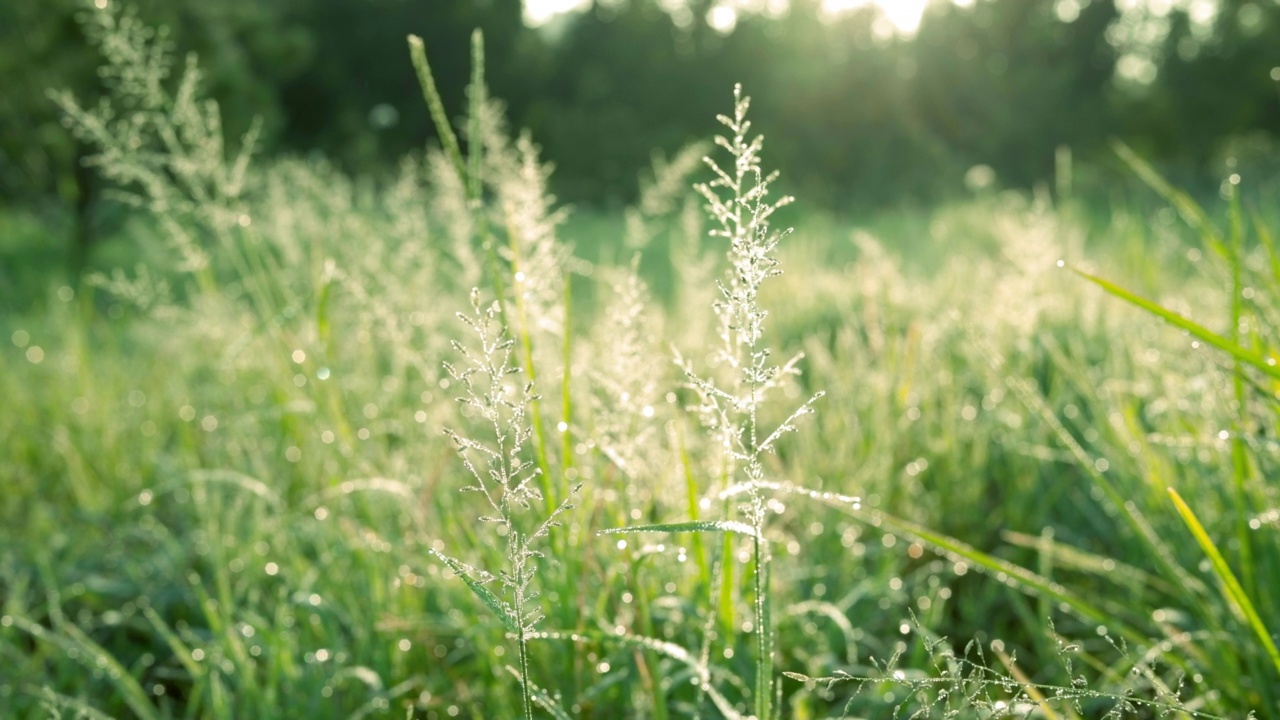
(540, 12)
(904, 15)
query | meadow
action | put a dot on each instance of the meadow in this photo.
(303, 445)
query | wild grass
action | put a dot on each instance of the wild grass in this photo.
(1025, 491)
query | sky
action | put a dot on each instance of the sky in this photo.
(904, 14)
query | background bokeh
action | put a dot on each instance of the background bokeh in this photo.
(226, 489)
(861, 113)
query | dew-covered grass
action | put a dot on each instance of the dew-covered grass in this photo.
(236, 468)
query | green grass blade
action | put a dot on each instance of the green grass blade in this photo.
(181, 651)
(93, 657)
(1231, 586)
(418, 53)
(499, 608)
(1189, 209)
(566, 386)
(1101, 566)
(691, 504)
(475, 149)
(1239, 459)
(58, 701)
(668, 649)
(1198, 331)
(324, 326)
(1015, 574)
(544, 700)
(1269, 242)
(694, 526)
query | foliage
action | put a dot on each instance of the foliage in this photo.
(865, 117)
(227, 492)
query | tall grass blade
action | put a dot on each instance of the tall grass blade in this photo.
(1015, 574)
(1232, 589)
(1239, 458)
(1265, 364)
(475, 146)
(418, 53)
(1189, 209)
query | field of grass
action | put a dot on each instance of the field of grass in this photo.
(436, 447)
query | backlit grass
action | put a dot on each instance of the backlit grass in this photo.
(230, 491)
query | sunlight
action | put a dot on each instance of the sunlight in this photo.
(540, 12)
(904, 15)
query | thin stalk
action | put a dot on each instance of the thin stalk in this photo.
(691, 499)
(475, 149)
(522, 639)
(650, 658)
(726, 611)
(417, 52)
(1239, 458)
(566, 395)
(760, 558)
(764, 633)
(535, 405)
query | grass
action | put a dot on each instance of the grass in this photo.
(1025, 491)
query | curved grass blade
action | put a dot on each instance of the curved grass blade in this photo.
(93, 656)
(1231, 586)
(1016, 575)
(1189, 209)
(499, 608)
(54, 701)
(1102, 567)
(1266, 365)
(695, 526)
(181, 651)
(663, 647)
(541, 697)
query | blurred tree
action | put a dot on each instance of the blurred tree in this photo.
(1006, 81)
(1216, 85)
(856, 114)
(837, 98)
(627, 78)
(40, 46)
(243, 47)
(358, 98)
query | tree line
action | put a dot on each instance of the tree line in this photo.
(857, 115)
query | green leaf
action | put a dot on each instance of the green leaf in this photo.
(486, 596)
(695, 526)
(1209, 337)
(1232, 590)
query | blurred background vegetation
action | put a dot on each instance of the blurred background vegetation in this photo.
(224, 480)
(868, 104)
